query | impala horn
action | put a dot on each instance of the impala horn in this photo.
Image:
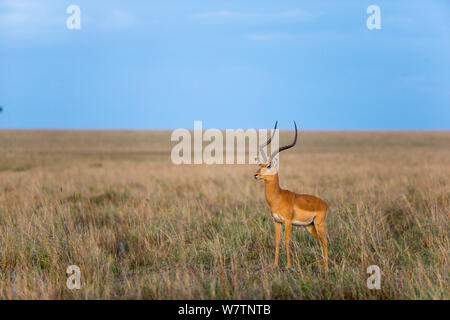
(261, 147)
(288, 146)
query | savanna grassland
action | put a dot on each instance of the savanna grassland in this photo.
(140, 227)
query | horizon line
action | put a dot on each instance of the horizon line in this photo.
(203, 129)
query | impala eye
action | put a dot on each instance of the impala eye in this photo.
(269, 166)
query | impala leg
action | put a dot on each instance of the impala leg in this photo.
(287, 235)
(312, 230)
(320, 229)
(277, 240)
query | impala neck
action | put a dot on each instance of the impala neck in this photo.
(272, 189)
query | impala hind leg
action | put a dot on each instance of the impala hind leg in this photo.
(277, 227)
(321, 233)
(287, 235)
(312, 230)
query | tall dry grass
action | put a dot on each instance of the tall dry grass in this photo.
(140, 227)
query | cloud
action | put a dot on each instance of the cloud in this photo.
(317, 37)
(224, 14)
(21, 15)
(19, 5)
(298, 15)
(118, 18)
(21, 19)
(230, 16)
(270, 36)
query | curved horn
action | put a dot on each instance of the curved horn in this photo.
(261, 147)
(288, 146)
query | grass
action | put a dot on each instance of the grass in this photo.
(140, 227)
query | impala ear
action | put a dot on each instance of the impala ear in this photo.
(275, 163)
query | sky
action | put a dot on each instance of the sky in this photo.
(231, 64)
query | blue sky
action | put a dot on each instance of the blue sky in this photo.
(163, 64)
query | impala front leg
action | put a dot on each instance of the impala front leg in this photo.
(277, 226)
(287, 234)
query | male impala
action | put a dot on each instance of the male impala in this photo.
(291, 208)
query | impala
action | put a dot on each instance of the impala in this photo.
(291, 208)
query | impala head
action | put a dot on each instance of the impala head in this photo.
(266, 170)
(269, 167)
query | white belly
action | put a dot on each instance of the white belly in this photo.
(280, 219)
(277, 218)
